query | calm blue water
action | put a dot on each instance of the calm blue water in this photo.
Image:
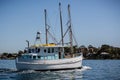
(92, 70)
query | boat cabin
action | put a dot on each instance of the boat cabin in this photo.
(44, 52)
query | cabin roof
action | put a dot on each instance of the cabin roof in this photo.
(46, 45)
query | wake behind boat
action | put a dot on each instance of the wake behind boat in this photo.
(51, 56)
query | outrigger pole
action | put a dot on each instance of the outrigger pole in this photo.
(61, 24)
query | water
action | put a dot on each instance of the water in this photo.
(92, 70)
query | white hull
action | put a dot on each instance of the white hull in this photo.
(59, 64)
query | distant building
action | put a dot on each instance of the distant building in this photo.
(105, 53)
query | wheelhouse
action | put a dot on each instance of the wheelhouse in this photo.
(44, 52)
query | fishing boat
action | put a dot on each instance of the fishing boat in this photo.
(51, 56)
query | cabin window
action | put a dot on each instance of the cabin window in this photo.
(38, 57)
(59, 55)
(52, 57)
(29, 50)
(42, 58)
(33, 50)
(48, 50)
(45, 57)
(34, 57)
(24, 57)
(55, 57)
(30, 57)
(52, 50)
(49, 57)
(45, 50)
(38, 50)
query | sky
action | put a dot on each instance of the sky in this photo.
(94, 22)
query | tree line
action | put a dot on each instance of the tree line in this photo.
(90, 52)
(103, 52)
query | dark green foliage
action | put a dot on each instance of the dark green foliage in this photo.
(98, 53)
(8, 55)
(89, 52)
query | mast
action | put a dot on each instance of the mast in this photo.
(61, 24)
(46, 31)
(70, 29)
